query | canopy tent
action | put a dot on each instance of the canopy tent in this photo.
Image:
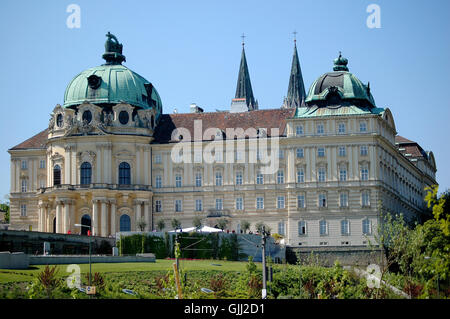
(204, 229)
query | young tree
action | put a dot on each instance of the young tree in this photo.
(175, 223)
(161, 224)
(141, 224)
(222, 223)
(245, 226)
(197, 222)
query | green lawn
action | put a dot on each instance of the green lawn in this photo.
(11, 275)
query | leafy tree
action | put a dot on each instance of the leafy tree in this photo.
(5, 208)
(222, 223)
(197, 222)
(175, 223)
(245, 226)
(161, 224)
(141, 224)
(440, 206)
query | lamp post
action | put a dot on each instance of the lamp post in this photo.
(90, 267)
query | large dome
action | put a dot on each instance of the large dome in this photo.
(112, 83)
(341, 84)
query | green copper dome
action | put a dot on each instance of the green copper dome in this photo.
(112, 83)
(339, 85)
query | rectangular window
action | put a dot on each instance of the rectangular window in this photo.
(364, 173)
(280, 177)
(259, 178)
(300, 152)
(342, 151)
(42, 163)
(300, 175)
(343, 200)
(218, 179)
(219, 203)
(280, 154)
(345, 227)
(281, 227)
(239, 178)
(280, 202)
(364, 150)
(158, 181)
(178, 180)
(198, 179)
(42, 183)
(366, 226)
(320, 129)
(238, 156)
(23, 210)
(24, 164)
(341, 128)
(198, 205)
(158, 206)
(322, 200)
(343, 174)
(301, 228)
(299, 130)
(260, 203)
(178, 205)
(321, 174)
(158, 159)
(365, 199)
(239, 203)
(323, 228)
(363, 126)
(321, 152)
(301, 201)
(24, 185)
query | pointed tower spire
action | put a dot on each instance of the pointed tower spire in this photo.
(244, 92)
(296, 90)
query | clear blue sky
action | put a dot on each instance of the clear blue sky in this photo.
(190, 51)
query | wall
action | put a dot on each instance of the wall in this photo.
(326, 256)
(33, 242)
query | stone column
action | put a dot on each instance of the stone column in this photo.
(113, 217)
(137, 212)
(146, 149)
(94, 225)
(67, 161)
(98, 165)
(40, 216)
(137, 179)
(59, 221)
(147, 216)
(104, 218)
(66, 222)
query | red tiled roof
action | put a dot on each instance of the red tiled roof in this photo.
(37, 141)
(402, 140)
(268, 119)
(409, 147)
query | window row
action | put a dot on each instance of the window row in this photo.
(366, 225)
(259, 204)
(342, 128)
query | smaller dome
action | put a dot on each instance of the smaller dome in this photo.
(340, 84)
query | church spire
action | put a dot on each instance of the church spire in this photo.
(244, 92)
(296, 90)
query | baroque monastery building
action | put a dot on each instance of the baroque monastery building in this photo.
(320, 170)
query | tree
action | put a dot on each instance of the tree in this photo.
(245, 226)
(175, 223)
(141, 224)
(161, 224)
(222, 223)
(197, 222)
(4, 207)
(440, 206)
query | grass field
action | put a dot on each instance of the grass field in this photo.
(12, 275)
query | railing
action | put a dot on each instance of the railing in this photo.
(69, 187)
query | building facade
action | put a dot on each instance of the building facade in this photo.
(319, 170)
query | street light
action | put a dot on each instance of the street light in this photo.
(90, 267)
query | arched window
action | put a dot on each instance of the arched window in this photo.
(57, 175)
(85, 173)
(125, 223)
(124, 174)
(85, 221)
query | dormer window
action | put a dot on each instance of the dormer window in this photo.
(87, 116)
(124, 117)
(59, 120)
